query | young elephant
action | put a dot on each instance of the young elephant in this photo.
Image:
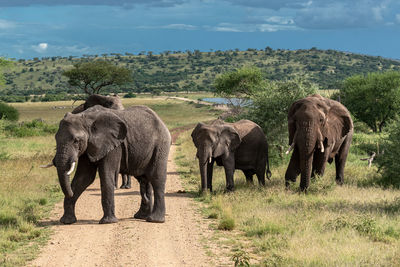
(241, 145)
(320, 129)
(133, 141)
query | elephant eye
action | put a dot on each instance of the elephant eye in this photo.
(76, 140)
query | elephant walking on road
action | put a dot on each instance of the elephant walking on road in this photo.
(320, 130)
(133, 141)
(241, 145)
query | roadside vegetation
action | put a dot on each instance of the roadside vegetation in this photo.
(27, 192)
(357, 224)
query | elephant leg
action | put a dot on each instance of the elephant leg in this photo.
(128, 182)
(319, 162)
(84, 176)
(261, 176)
(229, 166)
(249, 176)
(147, 198)
(293, 169)
(210, 174)
(123, 176)
(108, 169)
(340, 162)
(116, 181)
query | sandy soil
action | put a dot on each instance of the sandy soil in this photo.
(129, 242)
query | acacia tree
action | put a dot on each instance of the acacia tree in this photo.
(92, 76)
(374, 98)
(238, 86)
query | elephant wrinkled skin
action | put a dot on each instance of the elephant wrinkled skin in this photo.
(320, 130)
(133, 141)
(241, 145)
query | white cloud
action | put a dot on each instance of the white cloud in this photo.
(40, 48)
(262, 27)
(187, 27)
(279, 20)
(5, 24)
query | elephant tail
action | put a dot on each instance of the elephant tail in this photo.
(268, 172)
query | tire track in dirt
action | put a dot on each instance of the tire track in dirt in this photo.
(129, 242)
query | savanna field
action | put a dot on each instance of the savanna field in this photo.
(357, 224)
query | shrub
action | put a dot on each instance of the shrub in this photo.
(389, 161)
(130, 95)
(8, 112)
(33, 128)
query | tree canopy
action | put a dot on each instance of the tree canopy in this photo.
(92, 76)
(3, 63)
(374, 98)
(239, 85)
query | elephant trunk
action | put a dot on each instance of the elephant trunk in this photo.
(65, 184)
(204, 158)
(306, 156)
(65, 166)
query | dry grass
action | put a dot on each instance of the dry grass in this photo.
(350, 225)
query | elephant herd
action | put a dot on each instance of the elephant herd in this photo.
(101, 136)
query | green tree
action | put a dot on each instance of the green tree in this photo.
(92, 76)
(238, 86)
(374, 98)
(270, 108)
(3, 63)
(8, 112)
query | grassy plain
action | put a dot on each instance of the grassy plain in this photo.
(357, 224)
(27, 192)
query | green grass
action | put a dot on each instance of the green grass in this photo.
(27, 192)
(357, 224)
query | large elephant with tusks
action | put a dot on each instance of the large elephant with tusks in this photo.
(320, 130)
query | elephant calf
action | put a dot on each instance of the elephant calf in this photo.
(320, 130)
(241, 145)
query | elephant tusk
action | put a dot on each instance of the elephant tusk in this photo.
(47, 166)
(322, 146)
(290, 148)
(209, 159)
(72, 168)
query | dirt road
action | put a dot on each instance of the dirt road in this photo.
(129, 242)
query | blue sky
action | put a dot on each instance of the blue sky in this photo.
(75, 27)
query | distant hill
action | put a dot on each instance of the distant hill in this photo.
(195, 70)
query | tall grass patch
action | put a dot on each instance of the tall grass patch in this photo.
(356, 224)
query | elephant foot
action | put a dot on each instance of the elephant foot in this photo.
(339, 182)
(156, 218)
(68, 219)
(125, 186)
(108, 219)
(141, 214)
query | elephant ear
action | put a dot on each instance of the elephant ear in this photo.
(338, 122)
(292, 120)
(106, 133)
(196, 132)
(229, 140)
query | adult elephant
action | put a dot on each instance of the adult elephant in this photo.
(241, 145)
(320, 130)
(112, 102)
(133, 141)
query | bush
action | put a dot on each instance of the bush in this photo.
(33, 128)
(389, 162)
(8, 112)
(130, 95)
